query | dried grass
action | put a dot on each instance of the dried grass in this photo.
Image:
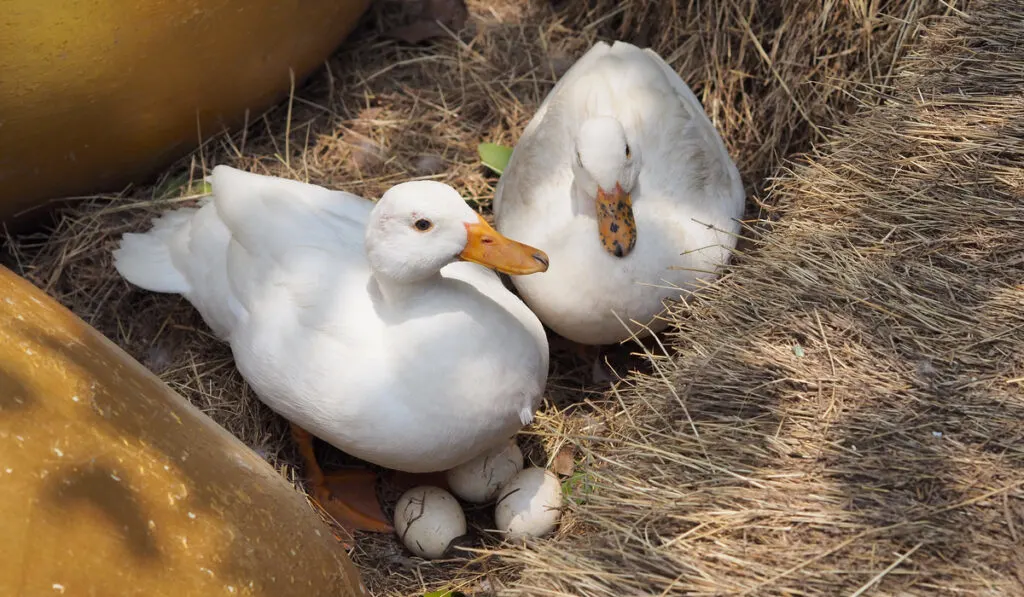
(844, 412)
(735, 465)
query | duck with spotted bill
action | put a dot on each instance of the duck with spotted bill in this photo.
(379, 328)
(623, 180)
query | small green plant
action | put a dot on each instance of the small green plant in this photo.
(180, 186)
(494, 156)
(578, 487)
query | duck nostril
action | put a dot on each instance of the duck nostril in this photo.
(542, 258)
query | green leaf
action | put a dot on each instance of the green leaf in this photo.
(179, 186)
(494, 156)
(171, 186)
(578, 487)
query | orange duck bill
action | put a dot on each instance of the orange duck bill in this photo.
(484, 245)
(615, 221)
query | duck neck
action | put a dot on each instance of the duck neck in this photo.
(397, 291)
(583, 204)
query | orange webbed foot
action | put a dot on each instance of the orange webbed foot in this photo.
(348, 495)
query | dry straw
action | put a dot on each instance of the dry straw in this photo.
(841, 413)
(845, 412)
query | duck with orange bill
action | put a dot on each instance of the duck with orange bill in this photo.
(380, 328)
(623, 180)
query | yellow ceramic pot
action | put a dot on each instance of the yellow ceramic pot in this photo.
(112, 484)
(98, 93)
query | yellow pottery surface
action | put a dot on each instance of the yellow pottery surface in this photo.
(113, 485)
(97, 93)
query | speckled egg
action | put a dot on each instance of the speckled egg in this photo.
(427, 519)
(529, 504)
(479, 480)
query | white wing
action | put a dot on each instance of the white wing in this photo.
(254, 235)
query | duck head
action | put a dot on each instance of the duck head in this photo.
(606, 169)
(419, 227)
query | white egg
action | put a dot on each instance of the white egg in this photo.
(427, 519)
(529, 504)
(479, 480)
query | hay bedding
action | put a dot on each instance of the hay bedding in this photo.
(845, 412)
(738, 465)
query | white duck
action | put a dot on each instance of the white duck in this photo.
(364, 325)
(625, 183)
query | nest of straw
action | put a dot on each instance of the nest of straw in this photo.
(841, 412)
(844, 412)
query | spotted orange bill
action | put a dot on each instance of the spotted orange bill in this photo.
(615, 221)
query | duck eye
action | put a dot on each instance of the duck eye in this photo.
(423, 225)
(629, 153)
